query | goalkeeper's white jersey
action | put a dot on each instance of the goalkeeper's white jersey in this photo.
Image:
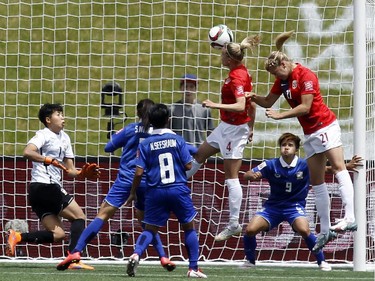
(57, 146)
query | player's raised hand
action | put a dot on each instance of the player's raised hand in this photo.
(89, 171)
(354, 163)
(208, 103)
(52, 161)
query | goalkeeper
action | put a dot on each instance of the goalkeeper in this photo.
(50, 151)
(288, 177)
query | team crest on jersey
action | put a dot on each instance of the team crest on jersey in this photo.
(240, 90)
(294, 84)
(309, 85)
(299, 175)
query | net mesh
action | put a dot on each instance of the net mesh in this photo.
(65, 52)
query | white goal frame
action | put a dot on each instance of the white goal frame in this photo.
(65, 52)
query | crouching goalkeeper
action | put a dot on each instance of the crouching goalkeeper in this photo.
(51, 152)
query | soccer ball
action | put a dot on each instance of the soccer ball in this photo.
(219, 35)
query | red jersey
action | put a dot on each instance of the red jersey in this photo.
(235, 86)
(303, 81)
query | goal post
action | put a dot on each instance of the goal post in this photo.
(359, 129)
(66, 51)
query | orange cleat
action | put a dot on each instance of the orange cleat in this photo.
(167, 264)
(80, 265)
(71, 258)
(14, 238)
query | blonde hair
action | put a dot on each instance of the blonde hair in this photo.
(276, 57)
(236, 51)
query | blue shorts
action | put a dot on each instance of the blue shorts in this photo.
(275, 215)
(119, 193)
(160, 202)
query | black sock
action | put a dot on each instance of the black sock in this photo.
(75, 232)
(37, 237)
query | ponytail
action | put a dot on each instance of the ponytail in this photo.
(143, 108)
(276, 57)
(236, 51)
(281, 38)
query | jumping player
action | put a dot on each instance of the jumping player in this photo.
(300, 87)
(237, 114)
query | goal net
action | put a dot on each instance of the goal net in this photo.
(65, 51)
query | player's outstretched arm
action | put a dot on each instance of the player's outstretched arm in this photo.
(252, 176)
(52, 161)
(32, 153)
(263, 101)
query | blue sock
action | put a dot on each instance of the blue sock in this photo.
(192, 247)
(156, 242)
(310, 242)
(143, 241)
(90, 232)
(250, 244)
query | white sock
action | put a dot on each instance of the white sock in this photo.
(194, 168)
(235, 200)
(322, 203)
(347, 193)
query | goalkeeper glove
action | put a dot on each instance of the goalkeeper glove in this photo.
(54, 162)
(89, 171)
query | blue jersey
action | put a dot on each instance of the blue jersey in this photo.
(128, 138)
(289, 184)
(164, 156)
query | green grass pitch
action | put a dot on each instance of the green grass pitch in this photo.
(47, 272)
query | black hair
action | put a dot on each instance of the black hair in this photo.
(47, 110)
(159, 116)
(143, 108)
(290, 137)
